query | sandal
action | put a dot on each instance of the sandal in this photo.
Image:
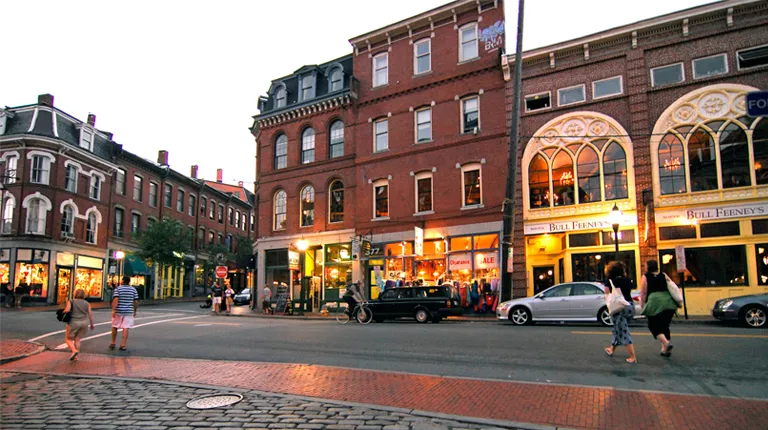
(631, 361)
(608, 351)
(74, 355)
(111, 346)
(122, 348)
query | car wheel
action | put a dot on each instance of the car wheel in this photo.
(520, 316)
(421, 316)
(754, 316)
(604, 317)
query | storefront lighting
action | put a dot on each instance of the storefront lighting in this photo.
(598, 257)
(344, 254)
(302, 244)
(761, 251)
(549, 272)
(666, 258)
(541, 277)
(765, 260)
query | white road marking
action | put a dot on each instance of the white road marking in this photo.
(203, 325)
(34, 339)
(64, 345)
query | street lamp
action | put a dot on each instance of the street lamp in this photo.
(615, 218)
(302, 244)
(120, 255)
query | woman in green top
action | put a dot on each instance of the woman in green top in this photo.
(658, 305)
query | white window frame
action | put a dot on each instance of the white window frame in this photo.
(682, 68)
(278, 99)
(461, 42)
(331, 81)
(375, 135)
(583, 91)
(330, 196)
(308, 136)
(9, 207)
(11, 165)
(191, 204)
(417, 177)
(311, 87)
(137, 216)
(428, 42)
(466, 168)
(377, 184)
(121, 231)
(375, 83)
(301, 205)
(461, 112)
(525, 98)
(621, 87)
(96, 183)
(76, 168)
(87, 136)
(71, 227)
(47, 160)
(275, 226)
(43, 209)
(747, 49)
(416, 125)
(95, 230)
(725, 62)
(157, 194)
(276, 164)
(331, 145)
(117, 182)
(168, 196)
(141, 189)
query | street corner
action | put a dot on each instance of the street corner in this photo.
(15, 349)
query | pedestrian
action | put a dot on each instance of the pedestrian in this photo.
(9, 298)
(217, 291)
(125, 303)
(228, 298)
(616, 278)
(80, 317)
(18, 294)
(658, 305)
(266, 302)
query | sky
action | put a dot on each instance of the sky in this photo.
(185, 76)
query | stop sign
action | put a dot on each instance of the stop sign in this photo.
(221, 271)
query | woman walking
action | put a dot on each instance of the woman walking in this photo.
(78, 322)
(229, 294)
(658, 305)
(620, 336)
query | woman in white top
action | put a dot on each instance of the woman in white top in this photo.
(78, 322)
(229, 294)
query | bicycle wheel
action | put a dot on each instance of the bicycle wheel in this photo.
(341, 316)
(363, 315)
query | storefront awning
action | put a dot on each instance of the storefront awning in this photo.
(135, 266)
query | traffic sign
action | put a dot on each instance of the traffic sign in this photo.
(757, 103)
(221, 272)
(680, 258)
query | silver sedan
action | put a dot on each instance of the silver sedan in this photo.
(572, 301)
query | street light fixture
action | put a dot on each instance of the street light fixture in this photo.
(120, 255)
(615, 218)
(302, 244)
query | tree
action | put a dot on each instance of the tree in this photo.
(217, 256)
(164, 243)
(243, 250)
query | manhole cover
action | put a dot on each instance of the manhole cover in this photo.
(214, 401)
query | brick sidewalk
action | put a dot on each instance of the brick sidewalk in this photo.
(13, 349)
(554, 405)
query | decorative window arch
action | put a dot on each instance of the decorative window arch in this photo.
(307, 206)
(705, 143)
(281, 151)
(68, 215)
(336, 202)
(9, 207)
(308, 145)
(281, 96)
(335, 78)
(336, 142)
(280, 202)
(37, 206)
(577, 159)
(93, 219)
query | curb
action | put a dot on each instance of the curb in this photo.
(102, 305)
(40, 348)
(421, 413)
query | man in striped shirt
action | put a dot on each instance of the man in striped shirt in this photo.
(125, 302)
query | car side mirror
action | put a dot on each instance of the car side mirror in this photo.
(539, 296)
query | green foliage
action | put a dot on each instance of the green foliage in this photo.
(244, 249)
(164, 242)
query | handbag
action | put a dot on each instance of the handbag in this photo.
(674, 291)
(615, 300)
(64, 317)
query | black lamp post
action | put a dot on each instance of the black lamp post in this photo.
(615, 219)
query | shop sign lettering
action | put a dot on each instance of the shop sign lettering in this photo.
(556, 227)
(493, 36)
(373, 251)
(460, 262)
(418, 245)
(486, 261)
(293, 260)
(717, 212)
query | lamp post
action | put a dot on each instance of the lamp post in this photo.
(615, 219)
(302, 246)
(120, 255)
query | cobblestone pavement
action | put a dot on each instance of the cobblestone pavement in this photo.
(12, 348)
(55, 402)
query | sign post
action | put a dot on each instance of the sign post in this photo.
(681, 268)
(221, 272)
(757, 103)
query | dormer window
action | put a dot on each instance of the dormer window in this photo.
(86, 138)
(307, 87)
(280, 97)
(337, 80)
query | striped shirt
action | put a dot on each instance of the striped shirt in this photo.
(125, 295)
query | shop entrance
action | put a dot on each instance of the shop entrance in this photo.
(64, 285)
(543, 278)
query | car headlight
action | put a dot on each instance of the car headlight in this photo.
(725, 304)
(504, 306)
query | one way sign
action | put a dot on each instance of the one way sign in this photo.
(757, 103)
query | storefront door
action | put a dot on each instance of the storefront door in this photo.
(543, 278)
(64, 285)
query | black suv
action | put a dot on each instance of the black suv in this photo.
(423, 304)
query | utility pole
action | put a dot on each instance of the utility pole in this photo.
(510, 194)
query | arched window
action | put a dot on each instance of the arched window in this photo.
(671, 165)
(280, 210)
(538, 181)
(67, 221)
(615, 172)
(734, 157)
(8, 207)
(336, 202)
(307, 206)
(702, 160)
(281, 152)
(562, 179)
(308, 146)
(588, 172)
(36, 216)
(280, 97)
(90, 228)
(337, 80)
(760, 150)
(337, 139)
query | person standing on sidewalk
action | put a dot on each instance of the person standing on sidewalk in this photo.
(9, 298)
(21, 290)
(229, 293)
(266, 303)
(620, 335)
(78, 322)
(216, 291)
(125, 303)
(658, 305)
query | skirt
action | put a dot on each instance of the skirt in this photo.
(620, 333)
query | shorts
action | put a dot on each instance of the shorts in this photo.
(217, 300)
(78, 328)
(122, 321)
(266, 305)
(229, 300)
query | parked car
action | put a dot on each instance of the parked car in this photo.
(423, 304)
(572, 301)
(243, 297)
(751, 310)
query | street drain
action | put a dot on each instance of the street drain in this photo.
(214, 401)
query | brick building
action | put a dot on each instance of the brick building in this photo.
(72, 197)
(649, 117)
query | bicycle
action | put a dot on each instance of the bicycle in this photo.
(361, 313)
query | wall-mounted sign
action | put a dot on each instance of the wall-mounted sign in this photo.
(418, 244)
(583, 224)
(492, 37)
(460, 261)
(293, 260)
(510, 267)
(714, 212)
(486, 261)
(680, 258)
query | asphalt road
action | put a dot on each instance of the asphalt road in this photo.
(708, 358)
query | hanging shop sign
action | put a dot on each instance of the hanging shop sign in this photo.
(486, 261)
(510, 267)
(582, 224)
(460, 261)
(680, 258)
(683, 216)
(418, 246)
(293, 260)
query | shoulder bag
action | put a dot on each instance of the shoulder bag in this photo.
(615, 300)
(674, 291)
(65, 317)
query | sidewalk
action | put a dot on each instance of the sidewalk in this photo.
(102, 304)
(511, 402)
(11, 350)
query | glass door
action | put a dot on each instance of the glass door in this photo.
(543, 278)
(64, 285)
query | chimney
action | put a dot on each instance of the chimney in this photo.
(240, 184)
(193, 173)
(92, 120)
(219, 175)
(162, 157)
(45, 100)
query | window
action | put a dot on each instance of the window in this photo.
(192, 205)
(562, 180)
(380, 70)
(424, 125)
(471, 184)
(424, 192)
(203, 206)
(41, 166)
(119, 220)
(666, 75)
(153, 194)
(211, 237)
(422, 56)
(760, 150)
(752, 57)
(308, 146)
(708, 267)
(253, 222)
(135, 221)
(36, 216)
(702, 160)
(212, 211)
(538, 179)
(336, 202)
(180, 200)
(615, 172)
(280, 202)
(95, 186)
(337, 80)
(221, 214)
(761, 252)
(570, 95)
(625, 236)
(138, 188)
(537, 102)
(70, 182)
(468, 49)
(201, 238)
(8, 207)
(168, 195)
(337, 139)
(760, 226)
(381, 135)
(150, 221)
(307, 87)
(120, 182)
(229, 243)
(67, 222)
(307, 206)
(281, 152)
(677, 232)
(381, 199)
(671, 168)
(470, 115)
(710, 66)
(280, 97)
(607, 87)
(11, 168)
(86, 138)
(90, 228)
(577, 240)
(231, 216)
(588, 173)
(720, 229)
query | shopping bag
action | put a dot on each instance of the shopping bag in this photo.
(615, 300)
(674, 291)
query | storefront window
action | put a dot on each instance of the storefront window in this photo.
(716, 266)
(562, 180)
(32, 271)
(89, 275)
(591, 266)
(761, 251)
(338, 270)
(461, 243)
(276, 270)
(487, 241)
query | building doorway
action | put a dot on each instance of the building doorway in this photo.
(543, 278)
(64, 285)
